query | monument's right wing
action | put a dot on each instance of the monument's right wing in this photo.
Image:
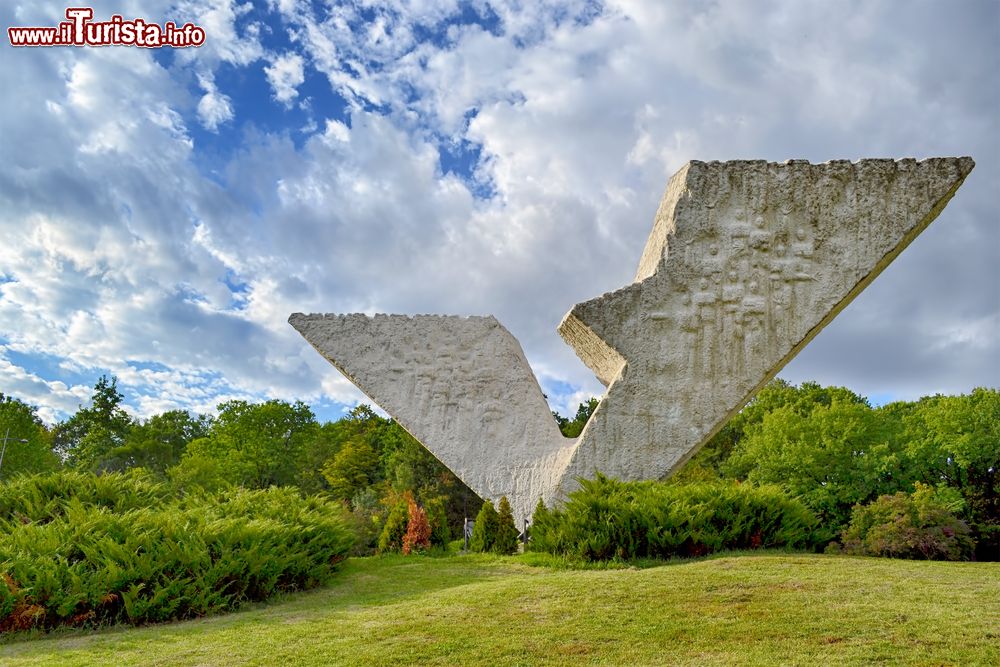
(746, 263)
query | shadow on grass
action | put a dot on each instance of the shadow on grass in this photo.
(376, 580)
(359, 582)
(372, 582)
(560, 562)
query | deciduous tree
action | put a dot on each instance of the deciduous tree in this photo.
(572, 428)
(159, 442)
(19, 421)
(353, 468)
(256, 444)
(832, 456)
(87, 439)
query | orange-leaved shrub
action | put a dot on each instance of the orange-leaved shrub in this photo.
(418, 529)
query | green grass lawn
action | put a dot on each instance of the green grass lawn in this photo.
(739, 609)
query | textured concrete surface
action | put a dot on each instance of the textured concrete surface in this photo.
(746, 263)
(459, 385)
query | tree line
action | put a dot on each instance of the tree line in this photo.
(830, 448)
(826, 446)
(364, 460)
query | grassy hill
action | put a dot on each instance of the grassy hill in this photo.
(737, 609)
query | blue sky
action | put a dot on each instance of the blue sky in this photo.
(164, 211)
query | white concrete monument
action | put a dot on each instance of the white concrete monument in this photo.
(746, 263)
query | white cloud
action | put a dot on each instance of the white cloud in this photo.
(337, 131)
(285, 74)
(225, 40)
(214, 108)
(53, 398)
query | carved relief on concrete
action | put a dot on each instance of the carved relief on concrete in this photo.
(747, 261)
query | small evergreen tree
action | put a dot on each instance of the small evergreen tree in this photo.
(437, 515)
(484, 533)
(394, 529)
(368, 517)
(506, 536)
(418, 529)
(540, 531)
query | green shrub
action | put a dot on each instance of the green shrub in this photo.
(86, 564)
(541, 530)
(394, 528)
(41, 498)
(506, 537)
(8, 600)
(367, 519)
(921, 525)
(606, 519)
(484, 532)
(437, 514)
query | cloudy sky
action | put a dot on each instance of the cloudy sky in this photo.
(163, 211)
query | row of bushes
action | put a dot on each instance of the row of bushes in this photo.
(494, 530)
(607, 519)
(412, 528)
(84, 562)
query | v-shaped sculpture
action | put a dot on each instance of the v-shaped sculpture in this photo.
(746, 263)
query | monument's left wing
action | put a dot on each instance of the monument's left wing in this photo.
(459, 385)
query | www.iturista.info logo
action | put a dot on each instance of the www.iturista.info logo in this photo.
(80, 30)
